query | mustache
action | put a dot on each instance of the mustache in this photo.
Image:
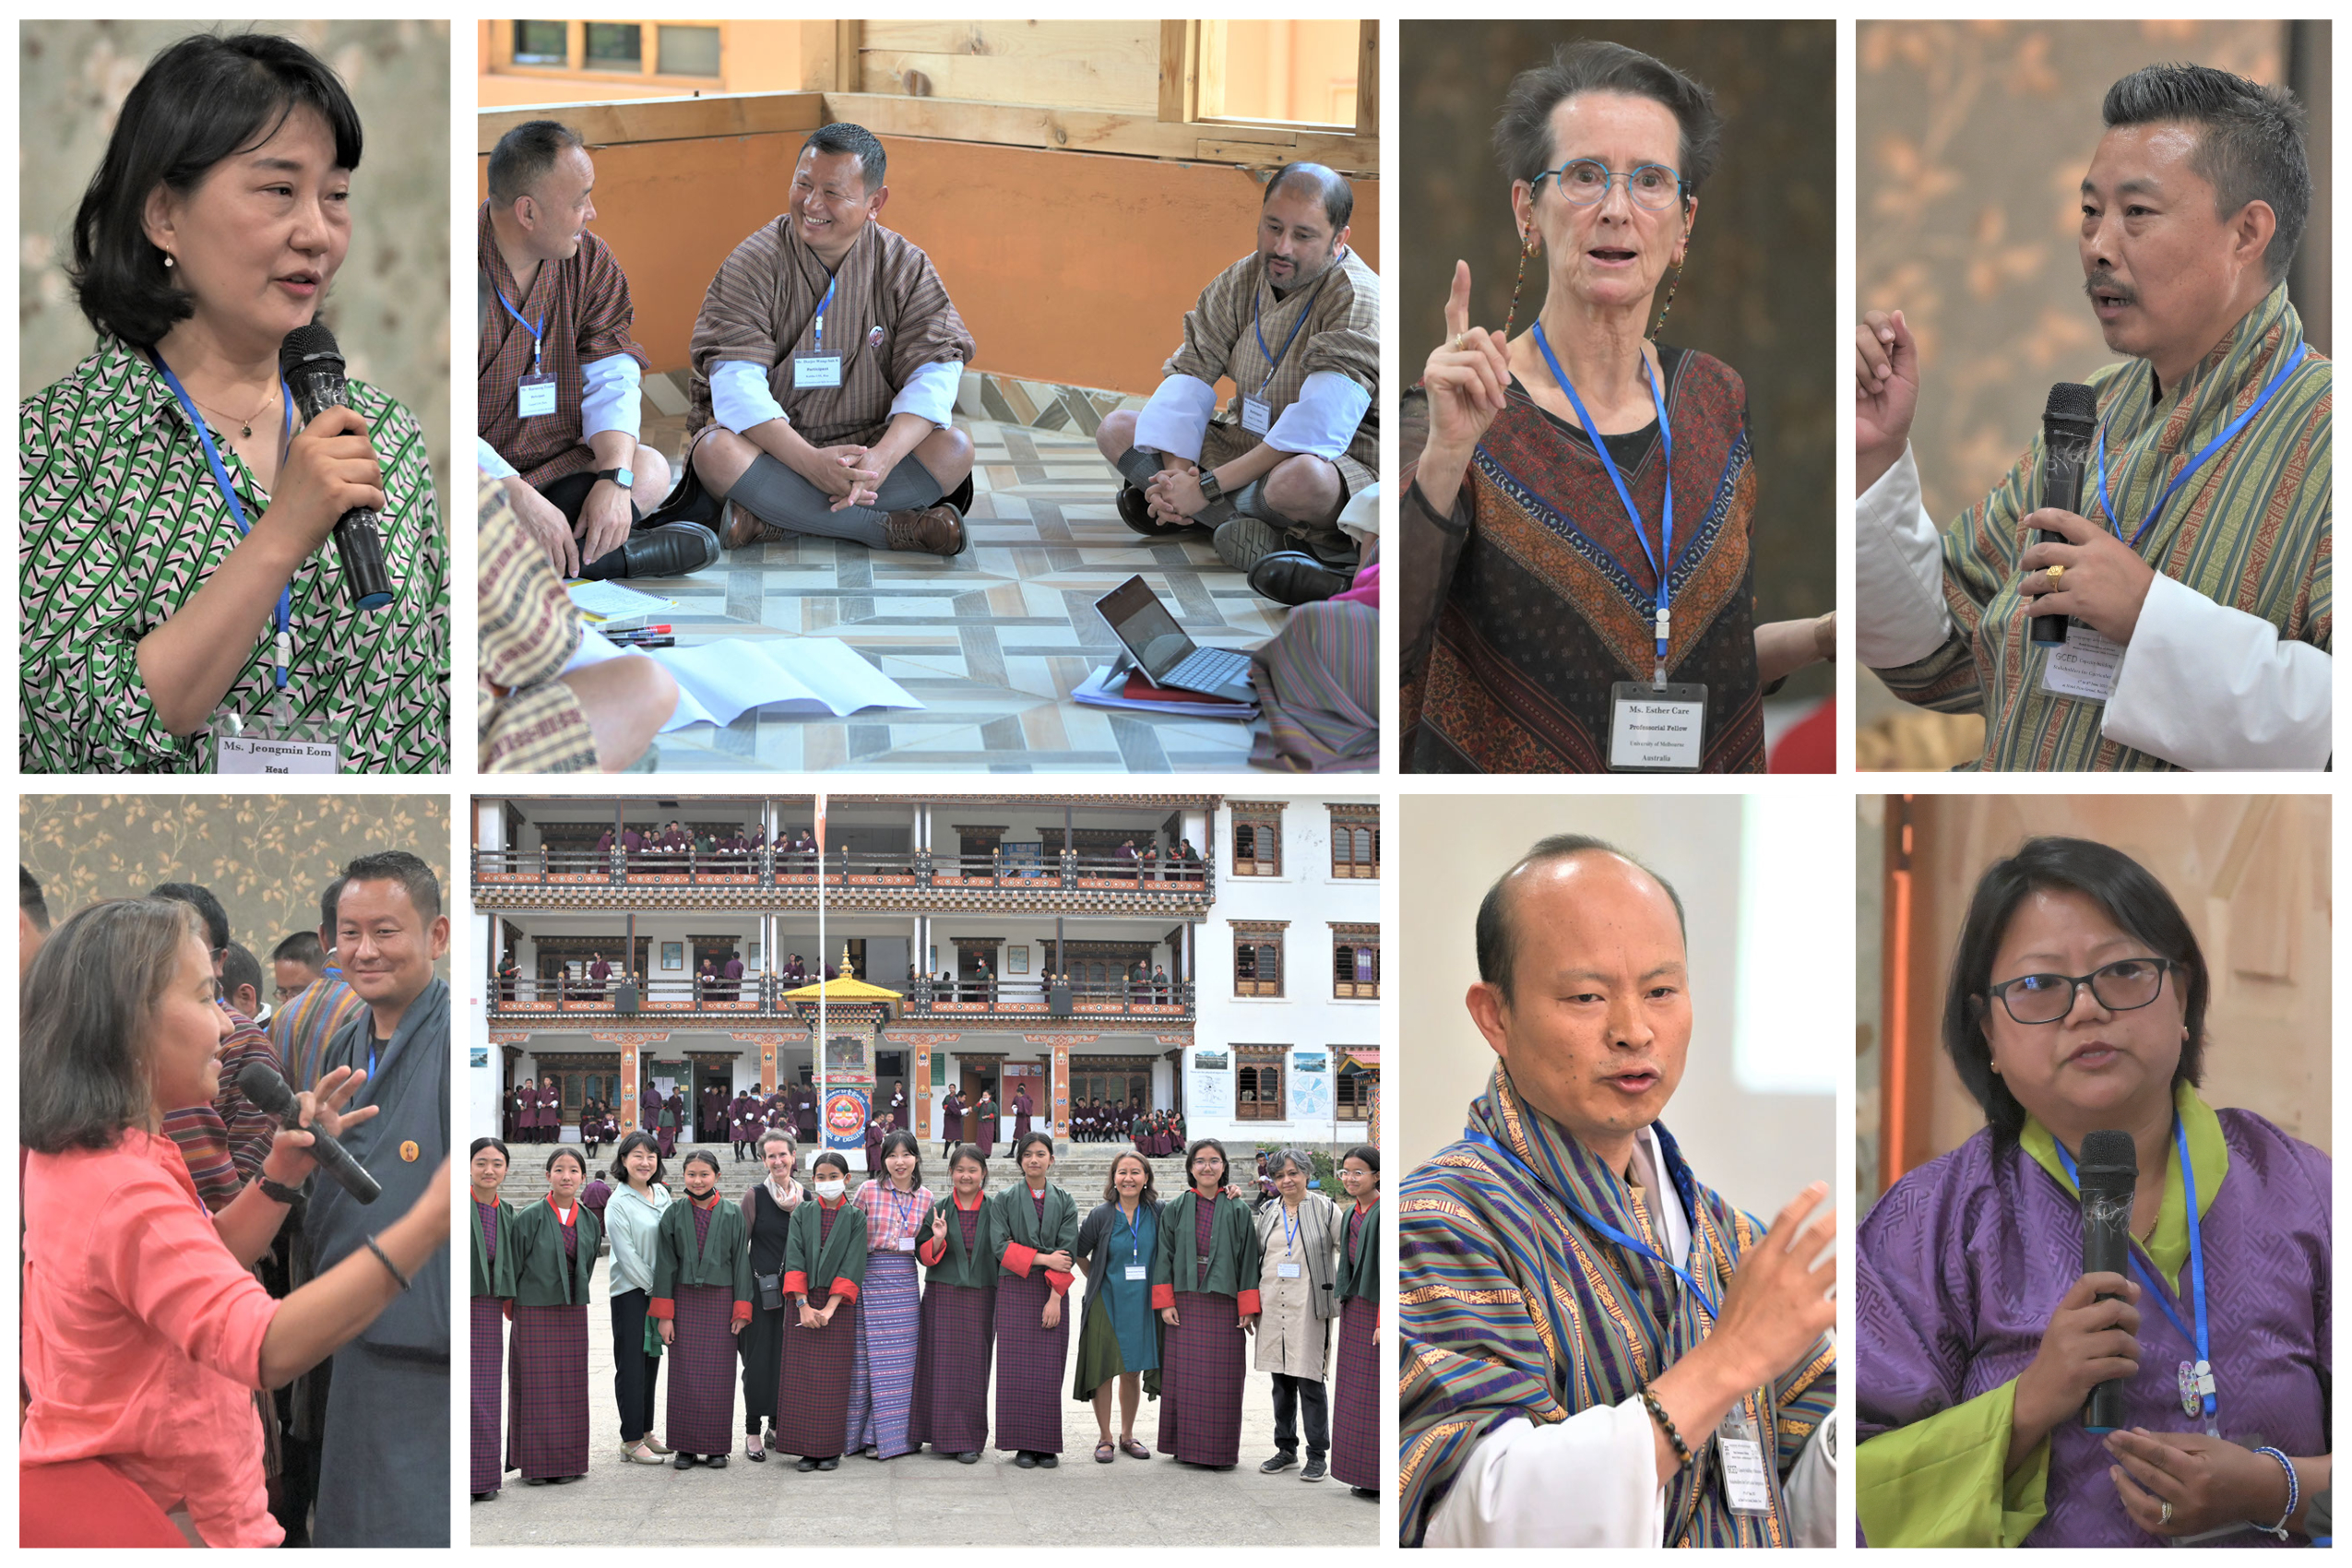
(2098, 280)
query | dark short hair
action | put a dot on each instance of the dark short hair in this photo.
(1021, 1144)
(239, 967)
(329, 896)
(832, 1156)
(703, 1155)
(30, 899)
(2250, 149)
(525, 154)
(203, 99)
(872, 163)
(83, 1022)
(962, 1152)
(629, 1145)
(303, 948)
(900, 1138)
(1150, 1195)
(2133, 898)
(565, 1151)
(1365, 1152)
(216, 918)
(1498, 942)
(1338, 195)
(398, 865)
(1523, 135)
(1194, 1147)
(481, 1144)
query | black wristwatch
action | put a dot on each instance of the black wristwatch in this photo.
(1211, 490)
(621, 477)
(279, 1193)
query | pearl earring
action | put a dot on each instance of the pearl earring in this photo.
(167, 259)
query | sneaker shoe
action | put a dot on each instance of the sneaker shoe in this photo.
(1315, 1470)
(1283, 1459)
(936, 530)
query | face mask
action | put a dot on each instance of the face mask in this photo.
(828, 1190)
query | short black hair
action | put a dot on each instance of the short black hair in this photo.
(525, 154)
(1498, 945)
(1021, 1144)
(1523, 135)
(2133, 898)
(216, 918)
(1194, 1147)
(834, 1158)
(896, 1139)
(239, 967)
(300, 948)
(481, 1144)
(398, 865)
(1338, 195)
(842, 136)
(203, 99)
(962, 1152)
(30, 899)
(2250, 149)
(1365, 1152)
(629, 1145)
(565, 1151)
(329, 896)
(700, 1154)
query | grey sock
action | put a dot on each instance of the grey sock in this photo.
(1138, 466)
(773, 493)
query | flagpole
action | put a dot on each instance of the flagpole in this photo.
(823, 1104)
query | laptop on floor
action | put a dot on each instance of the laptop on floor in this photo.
(1166, 653)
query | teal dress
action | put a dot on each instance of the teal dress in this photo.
(1119, 1333)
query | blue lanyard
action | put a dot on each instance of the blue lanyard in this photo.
(2204, 455)
(822, 306)
(1274, 360)
(1289, 1230)
(538, 339)
(1135, 1236)
(1608, 466)
(2200, 1340)
(285, 649)
(1633, 1243)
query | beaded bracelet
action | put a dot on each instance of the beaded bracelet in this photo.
(1666, 1424)
(2294, 1494)
(389, 1266)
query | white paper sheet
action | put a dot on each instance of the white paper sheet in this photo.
(610, 601)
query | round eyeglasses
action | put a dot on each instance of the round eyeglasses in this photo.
(1585, 181)
(2119, 987)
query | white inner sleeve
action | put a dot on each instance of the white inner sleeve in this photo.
(1589, 1480)
(2203, 685)
(1665, 1203)
(611, 398)
(1812, 1491)
(1177, 417)
(1898, 572)
(931, 392)
(739, 396)
(487, 459)
(1324, 420)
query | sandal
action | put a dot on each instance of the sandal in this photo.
(1105, 1452)
(1132, 1449)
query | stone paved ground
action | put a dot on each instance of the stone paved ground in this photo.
(923, 1500)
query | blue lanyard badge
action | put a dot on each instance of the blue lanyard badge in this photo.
(284, 616)
(817, 368)
(1274, 360)
(2205, 455)
(822, 306)
(1659, 563)
(538, 333)
(1633, 1243)
(2199, 1335)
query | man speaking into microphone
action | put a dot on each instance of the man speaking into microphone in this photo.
(2194, 565)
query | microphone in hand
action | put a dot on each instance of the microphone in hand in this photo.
(2107, 1177)
(313, 367)
(2068, 421)
(259, 1082)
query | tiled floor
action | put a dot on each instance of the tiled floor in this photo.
(992, 641)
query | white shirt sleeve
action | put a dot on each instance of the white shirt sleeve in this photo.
(931, 392)
(1324, 420)
(2203, 685)
(486, 456)
(1589, 1480)
(1177, 417)
(1811, 1488)
(611, 398)
(740, 397)
(1898, 572)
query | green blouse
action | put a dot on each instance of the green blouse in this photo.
(1019, 1236)
(540, 1275)
(817, 1264)
(492, 1279)
(1233, 1253)
(950, 1264)
(723, 1258)
(1361, 1278)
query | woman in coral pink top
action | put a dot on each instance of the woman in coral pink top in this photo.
(145, 1332)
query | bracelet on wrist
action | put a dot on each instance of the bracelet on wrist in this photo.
(279, 1192)
(1666, 1424)
(389, 1266)
(2294, 1494)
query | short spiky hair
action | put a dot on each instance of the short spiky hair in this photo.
(525, 154)
(2250, 149)
(842, 136)
(398, 865)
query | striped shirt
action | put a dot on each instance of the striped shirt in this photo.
(225, 1142)
(582, 308)
(307, 1022)
(1340, 334)
(528, 721)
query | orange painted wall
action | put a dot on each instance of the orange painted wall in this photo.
(1075, 267)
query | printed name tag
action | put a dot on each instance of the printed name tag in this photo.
(1135, 1271)
(2084, 666)
(816, 370)
(906, 1243)
(1743, 1475)
(1285, 1271)
(1258, 418)
(259, 753)
(1654, 729)
(535, 394)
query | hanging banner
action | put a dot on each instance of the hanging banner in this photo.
(1311, 1086)
(846, 1111)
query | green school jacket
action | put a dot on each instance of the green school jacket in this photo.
(541, 1276)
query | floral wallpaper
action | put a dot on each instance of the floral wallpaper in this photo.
(390, 308)
(264, 857)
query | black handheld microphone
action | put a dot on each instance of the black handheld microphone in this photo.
(2106, 1176)
(2068, 421)
(313, 367)
(260, 1083)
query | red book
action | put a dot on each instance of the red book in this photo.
(1140, 689)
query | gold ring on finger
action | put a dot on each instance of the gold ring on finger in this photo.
(2055, 573)
(2166, 1515)
(1461, 342)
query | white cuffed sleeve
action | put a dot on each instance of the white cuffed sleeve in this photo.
(931, 392)
(1812, 1490)
(1589, 1480)
(740, 397)
(1177, 417)
(1324, 420)
(1898, 572)
(486, 457)
(611, 399)
(2206, 687)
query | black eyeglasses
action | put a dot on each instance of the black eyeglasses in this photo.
(2120, 987)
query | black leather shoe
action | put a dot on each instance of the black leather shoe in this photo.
(1293, 576)
(970, 1456)
(1136, 512)
(1283, 1460)
(684, 1461)
(673, 549)
(716, 1462)
(832, 1464)
(1047, 1461)
(1024, 1460)
(805, 1465)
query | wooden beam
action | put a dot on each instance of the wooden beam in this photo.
(1178, 78)
(1073, 130)
(818, 41)
(1368, 79)
(848, 37)
(664, 119)
(1208, 71)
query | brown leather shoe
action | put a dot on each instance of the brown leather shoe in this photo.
(936, 530)
(740, 527)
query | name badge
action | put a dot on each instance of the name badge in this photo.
(906, 1243)
(1285, 1271)
(816, 370)
(535, 394)
(1744, 1483)
(1656, 728)
(1136, 1271)
(2084, 666)
(253, 753)
(1257, 417)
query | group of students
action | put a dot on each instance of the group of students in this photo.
(1158, 1133)
(809, 1296)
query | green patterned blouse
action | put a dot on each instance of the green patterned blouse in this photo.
(121, 522)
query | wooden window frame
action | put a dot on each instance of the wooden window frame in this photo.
(1252, 1064)
(501, 60)
(1345, 825)
(1190, 68)
(1259, 817)
(1351, 940)
(1259, 936)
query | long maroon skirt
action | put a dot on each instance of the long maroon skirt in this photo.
(1032, 1365)
(812, 1396)
(1201, 1369)
(950, 1408)
(1355, 1398)
(547, 1424)
(702, 1372)
(488, 1326)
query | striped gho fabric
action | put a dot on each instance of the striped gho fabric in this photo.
(582, 308)
(2254, 530)
(1508, 1306)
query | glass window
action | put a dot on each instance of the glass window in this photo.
(1296, 71)
(615, 46)
(1257, 847)
(543, 43)
(687, 52)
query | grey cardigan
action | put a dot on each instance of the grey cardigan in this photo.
(1319, 1231)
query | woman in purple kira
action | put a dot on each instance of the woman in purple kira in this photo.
(2077, 1003)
